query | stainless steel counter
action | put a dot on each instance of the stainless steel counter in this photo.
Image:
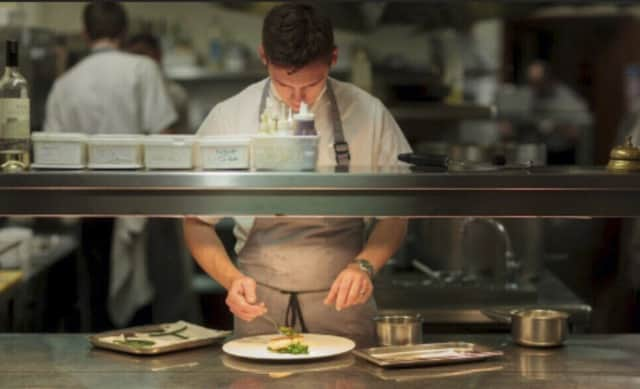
(544, 191)
(611, 361)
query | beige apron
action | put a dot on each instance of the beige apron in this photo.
(296, 260)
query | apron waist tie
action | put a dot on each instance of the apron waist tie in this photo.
(293, 313)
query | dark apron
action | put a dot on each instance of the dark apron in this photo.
(296, 260)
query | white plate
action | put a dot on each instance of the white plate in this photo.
(320, 346)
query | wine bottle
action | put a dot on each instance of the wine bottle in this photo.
(15, 131)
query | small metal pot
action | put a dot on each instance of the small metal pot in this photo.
(536, 327)
(398, 330)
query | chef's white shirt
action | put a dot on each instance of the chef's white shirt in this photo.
(374, 138)
(110, 92)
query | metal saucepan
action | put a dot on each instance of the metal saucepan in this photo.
(535, 327)
(398, 330)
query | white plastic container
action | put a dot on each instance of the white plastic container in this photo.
(223, 152)
(168, 151)
(59, 150)
(108, 151)
(284, 152)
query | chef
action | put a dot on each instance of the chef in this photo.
(314, 274)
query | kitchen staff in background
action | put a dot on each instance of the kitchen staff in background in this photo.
(556, 116)
(170, 265)
(147, 44)
(314, 274)
(111, 92)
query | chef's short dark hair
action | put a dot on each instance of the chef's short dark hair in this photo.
(144, 39)
(296, 34)
(105, 19)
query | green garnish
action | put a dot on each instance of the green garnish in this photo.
(293, 348)
(176, 333)
(135, 343)
(287, 331)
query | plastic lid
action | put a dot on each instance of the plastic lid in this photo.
(106, 138)
(167, 139)
(304, 113)
(222, 139)
(59, 136)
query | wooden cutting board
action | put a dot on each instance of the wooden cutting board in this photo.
(8, 278)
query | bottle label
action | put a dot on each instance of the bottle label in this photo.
(14, 117)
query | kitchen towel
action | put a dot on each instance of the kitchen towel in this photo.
(129, 288)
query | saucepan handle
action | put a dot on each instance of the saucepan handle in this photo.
(497, 315)
(426, 160)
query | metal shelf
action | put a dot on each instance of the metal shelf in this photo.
(551, 192)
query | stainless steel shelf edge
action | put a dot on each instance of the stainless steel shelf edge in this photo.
(544, 192)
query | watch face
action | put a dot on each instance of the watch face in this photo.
(366, 266)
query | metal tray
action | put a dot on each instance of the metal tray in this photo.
(205, 337)
(427, 354)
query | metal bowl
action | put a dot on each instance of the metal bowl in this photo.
(398, 330)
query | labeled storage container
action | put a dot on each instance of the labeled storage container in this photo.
(168, 151)
(284, 152)
(107, 151)
(59, 150)
(223, 152)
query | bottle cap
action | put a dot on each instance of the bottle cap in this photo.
(304, 113)
(12, 53)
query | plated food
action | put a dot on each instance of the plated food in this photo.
(291, 344)
(257, 347)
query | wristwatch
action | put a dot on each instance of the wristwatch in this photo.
(365, 265)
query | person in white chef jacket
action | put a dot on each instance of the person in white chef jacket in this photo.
(111, 92)
(314, 274)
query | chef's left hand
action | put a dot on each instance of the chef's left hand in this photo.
(352, 287)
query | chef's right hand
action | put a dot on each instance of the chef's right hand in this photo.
(241, 299)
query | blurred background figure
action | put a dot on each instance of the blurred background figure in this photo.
(112, 92)
(548, 111)
(148, 45)
(167, 257)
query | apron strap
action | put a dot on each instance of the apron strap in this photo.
(340, 145)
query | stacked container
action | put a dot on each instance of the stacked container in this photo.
(59, 150)
(284, 152)
(223, 152)
(108, 151)
(168, 151)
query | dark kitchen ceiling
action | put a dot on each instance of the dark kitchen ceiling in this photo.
(364, 16)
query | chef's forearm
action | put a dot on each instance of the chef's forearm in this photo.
(385, 239)
(205, 246)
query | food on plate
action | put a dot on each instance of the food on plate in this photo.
(289, 344)
(287, 331)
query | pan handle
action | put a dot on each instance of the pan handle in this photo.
(425, 160)
(497, 315)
